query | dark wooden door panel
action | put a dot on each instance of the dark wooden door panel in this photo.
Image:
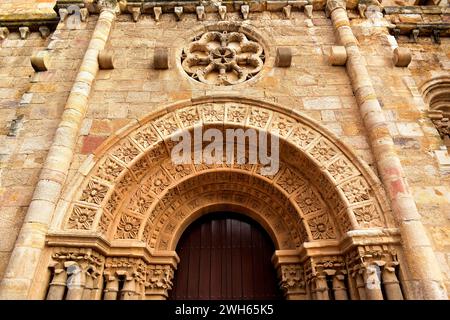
(225, 256)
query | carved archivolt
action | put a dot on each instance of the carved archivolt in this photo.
(134, 191)
(223, 57)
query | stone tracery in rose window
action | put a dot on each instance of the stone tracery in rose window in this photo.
(222, 58)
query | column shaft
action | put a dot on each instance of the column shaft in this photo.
(30, 243)
(423, 266)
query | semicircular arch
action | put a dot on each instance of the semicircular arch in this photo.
(318, 173)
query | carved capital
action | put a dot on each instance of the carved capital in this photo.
(129, 267)
(82, 256)
(333, 5)
(159, 281)
(292, 279)
(101, 5)
(160, 277)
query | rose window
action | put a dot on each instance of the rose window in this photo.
(222, 58)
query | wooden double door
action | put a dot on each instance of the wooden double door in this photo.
(225, 256)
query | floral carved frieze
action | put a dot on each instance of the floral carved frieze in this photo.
(223, 58)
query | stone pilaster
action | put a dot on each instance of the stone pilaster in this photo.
(28, 248)
(423, 266)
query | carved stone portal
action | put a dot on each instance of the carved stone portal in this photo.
(222, 58)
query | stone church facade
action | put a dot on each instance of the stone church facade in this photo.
(91, 91)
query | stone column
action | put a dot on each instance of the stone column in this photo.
(321, 288)
(360, 286)
(391, 283)
(339, 289)
(423, 266)
(97, 286)
(58, 283)
(112, 288)
(372, 282)
(27, 251)
(76, 281)
(128, 291)
(88, 292)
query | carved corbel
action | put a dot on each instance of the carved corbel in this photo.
(136, 13)
(200, 12)
(362, 10)
(157, 11)
(396, 32)
(178, 12)
(39, 61)
(122, 5)
(415, 35)
(401, 57)
(245, 9)
(63, 14)
(84, 14)
(309, 11)
(222, 12)
(436, 36)
(24, 32)
(44, 31)
(287, 11)
(4, 33)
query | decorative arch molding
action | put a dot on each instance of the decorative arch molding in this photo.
(139, 158)
(129, 194)
(436, 92)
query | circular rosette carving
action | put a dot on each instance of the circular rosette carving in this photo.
(222, 58)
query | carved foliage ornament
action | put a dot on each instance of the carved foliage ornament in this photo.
(222, 58)
(160, 277)
(291, 277)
